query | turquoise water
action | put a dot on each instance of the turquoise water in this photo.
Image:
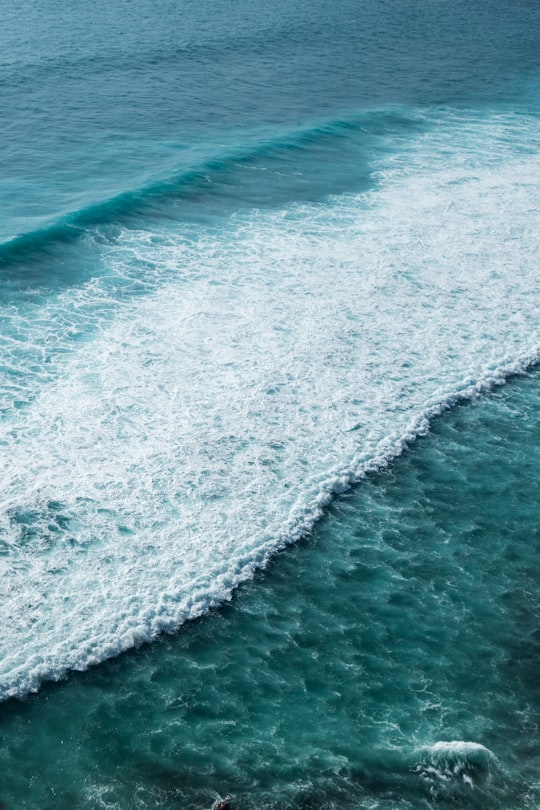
(388, 660)
(254, 262)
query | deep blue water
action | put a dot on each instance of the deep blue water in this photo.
(255, 261)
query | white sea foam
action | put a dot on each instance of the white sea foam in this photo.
(157, 448)
(458, 762)
(459, 747)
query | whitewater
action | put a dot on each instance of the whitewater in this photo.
(197, 396)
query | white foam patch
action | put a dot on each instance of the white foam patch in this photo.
(459, 747)
(157, 448)
(457, 762)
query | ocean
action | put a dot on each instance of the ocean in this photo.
(269, 400)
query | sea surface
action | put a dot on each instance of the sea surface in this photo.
(269, 404)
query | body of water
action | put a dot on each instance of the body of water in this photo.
(269, 283)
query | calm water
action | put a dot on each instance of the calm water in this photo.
(255, 261)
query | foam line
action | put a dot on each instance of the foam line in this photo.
(27, 677)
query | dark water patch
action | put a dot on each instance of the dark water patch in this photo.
(35, 530)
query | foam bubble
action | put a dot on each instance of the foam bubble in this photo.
(172, 422)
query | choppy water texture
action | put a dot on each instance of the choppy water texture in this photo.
(389, 661)
(248, 254)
